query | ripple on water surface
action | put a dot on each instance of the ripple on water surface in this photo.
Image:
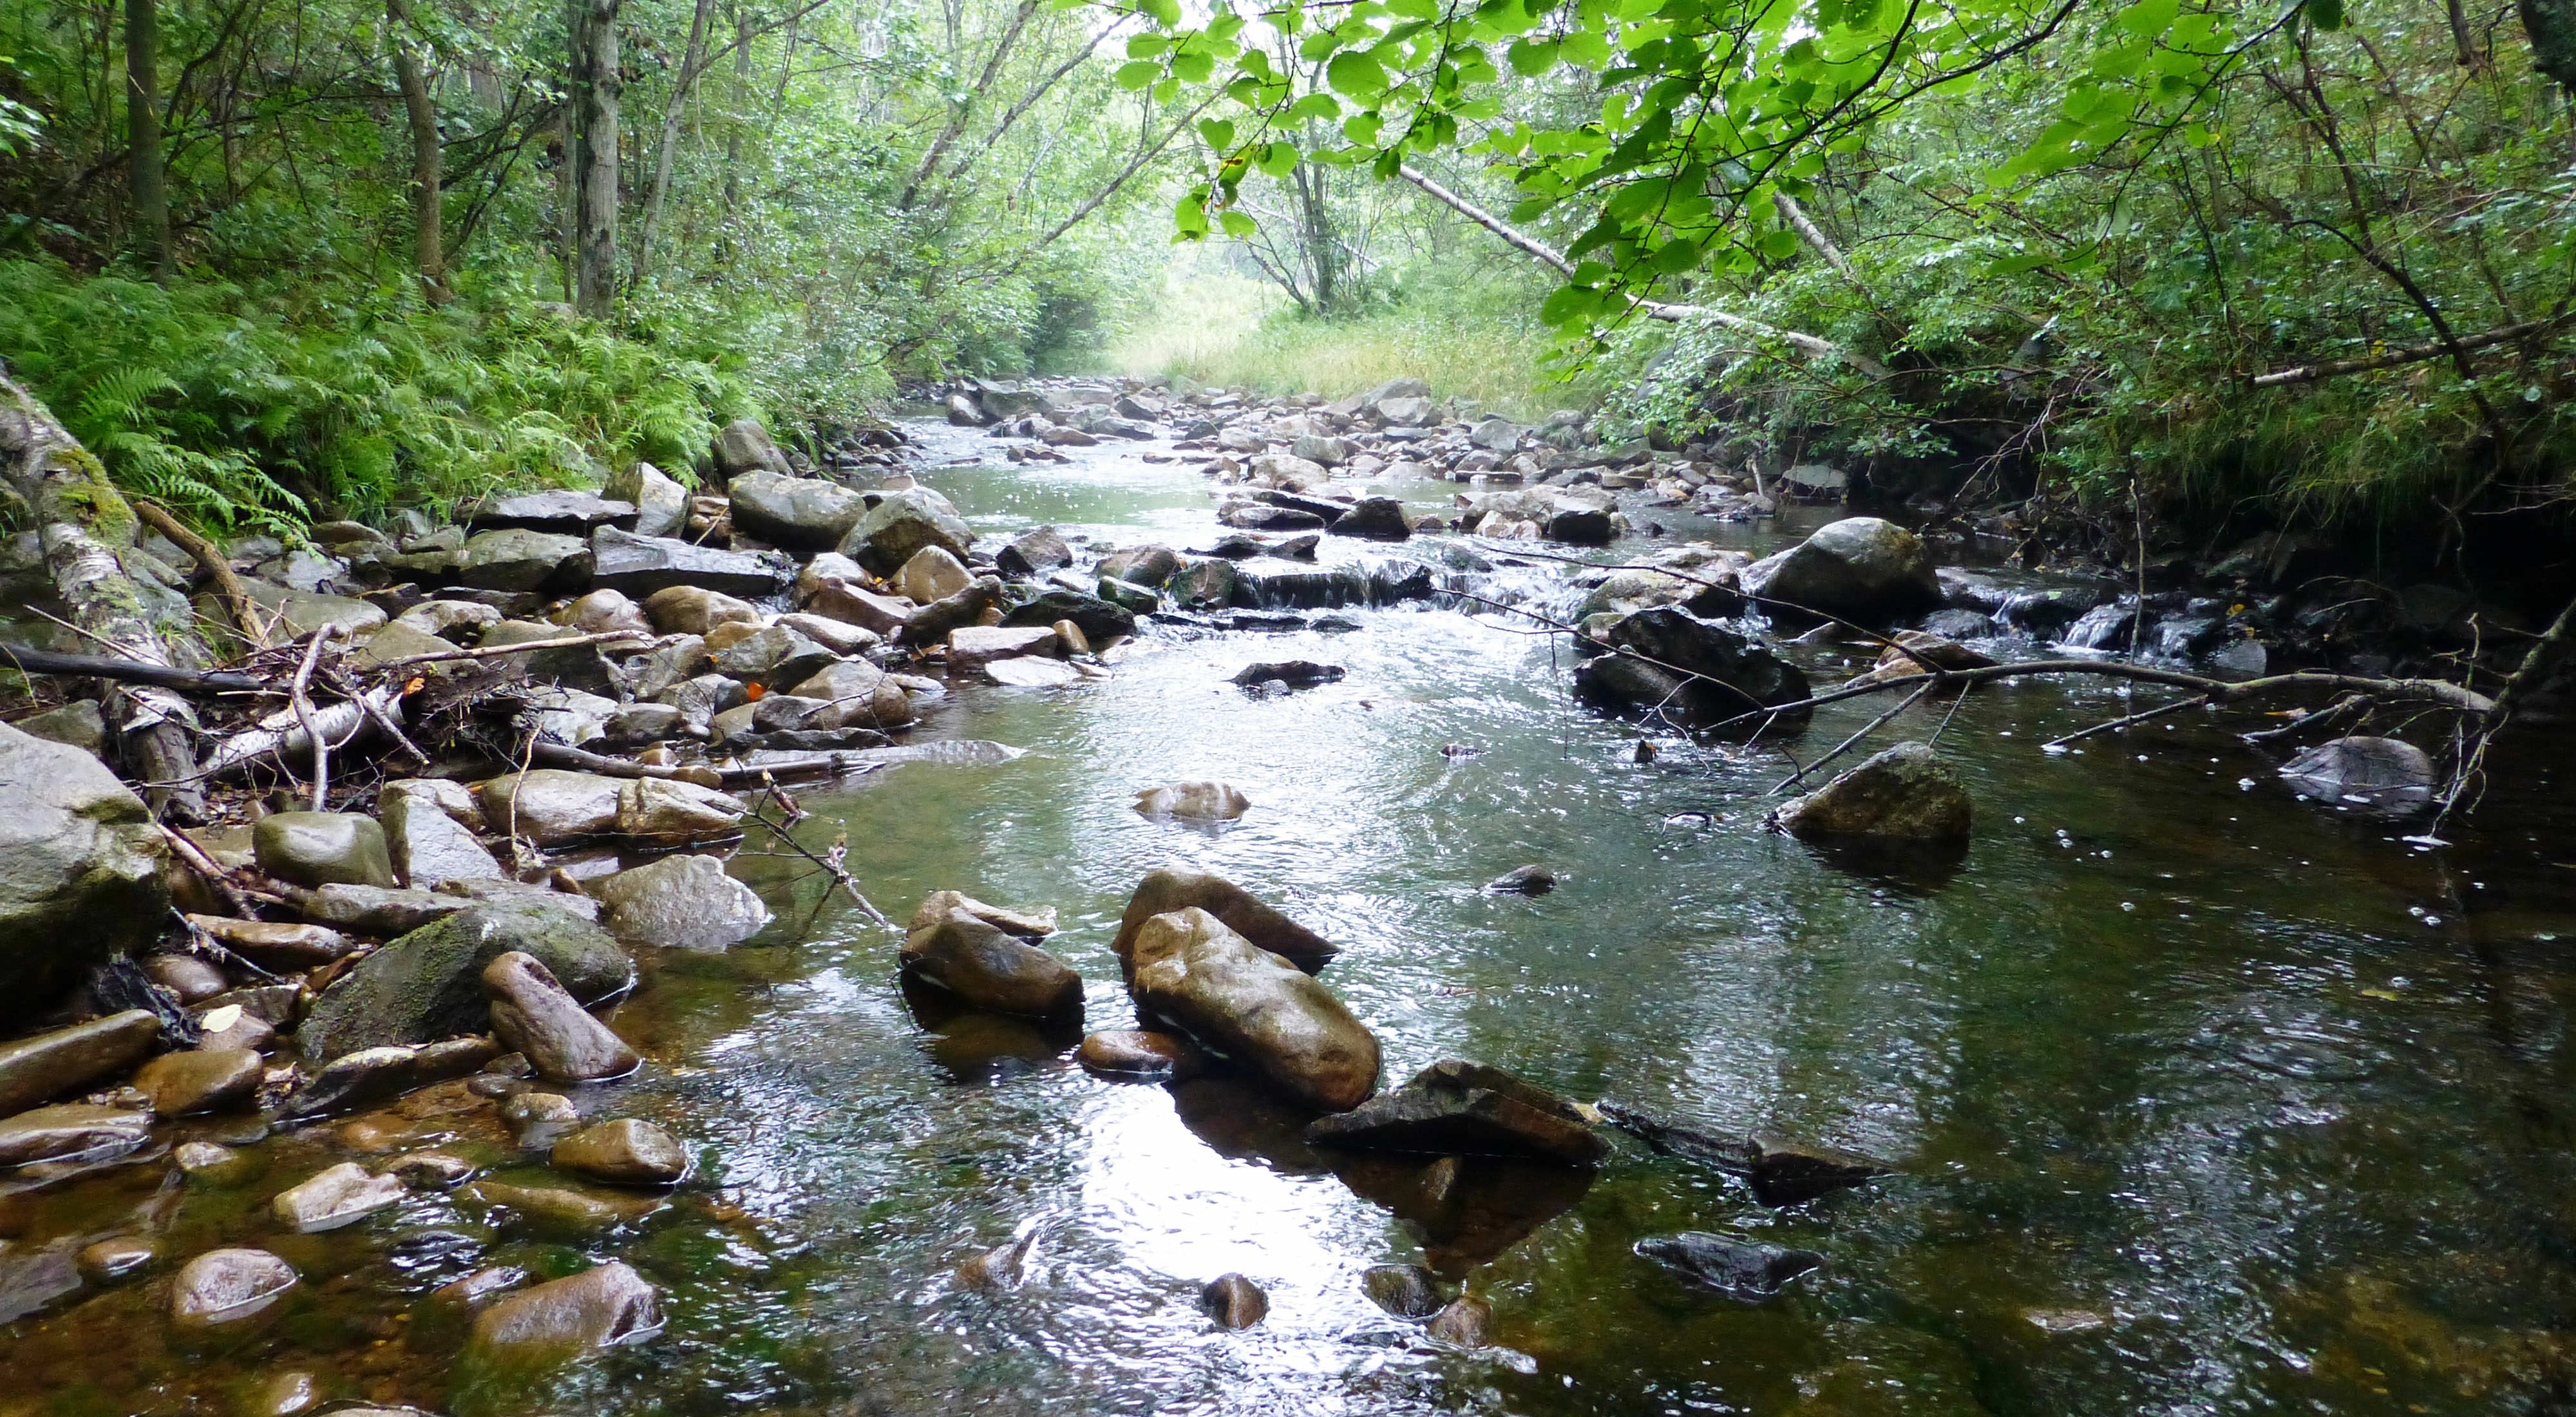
(2197, 1112)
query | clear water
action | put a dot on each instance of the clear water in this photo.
(2207, 1100)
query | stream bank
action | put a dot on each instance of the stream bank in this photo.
(2125, 1052)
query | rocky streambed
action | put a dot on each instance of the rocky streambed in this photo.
(1302, 992)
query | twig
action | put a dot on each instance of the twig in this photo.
(839, 873)
(228, 587)
(304, 714)
(1845, 746)
(496, 651)
(557, 755)
(2117, 724)
(208, 867)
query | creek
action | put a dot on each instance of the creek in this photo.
(2206, 1099)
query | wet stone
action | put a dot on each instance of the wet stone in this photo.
(1737, 1269)
(624, 1152)
(62, 1060)
(341, 1195)
(532, 1014)
(201, 1081)
(1140, 1055)
(480, 1287)
(1525, 880)
(1164, 891)
(536, 1119)
(598, 1308)
(680, 902)
(227, 1286)
(1197, 801)
(553, 1211)
(1000, 1267)
(211, 1163)
(283, 1395)
(432, 1170)
(1234, 1301)
(71, 1130)
(187, 976)
(273, 944)
(1455, 1108)
(1404, 1290)
(1463, 1322)
(116, 1258)
(320, 848)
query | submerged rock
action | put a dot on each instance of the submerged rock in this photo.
(1905, 793)
(534, 1015)
(1254, 1007)
(1524, 880)
(1164, 891)
(226, 1286)
(80, 871)
(1200, 801)
(1140, 1055)
(597, 1308)
(1404, 1290)
(989, 969)
(1697, 673)
(1463, 1322)
(624, 1152)
(342, 1195)
(112, 1259)
(1735, 1268)
(371, 1074)
(1234, 1301)
(1455, 1108)
(2385, 774)
(1296, 673)
(1783, 1172)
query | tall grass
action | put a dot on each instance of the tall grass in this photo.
(1474, 336)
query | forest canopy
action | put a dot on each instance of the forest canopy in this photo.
(2307, 262)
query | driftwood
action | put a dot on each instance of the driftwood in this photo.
(210, 558)
(285, 737)
(129, 671)
(555, 755)
(86, 528)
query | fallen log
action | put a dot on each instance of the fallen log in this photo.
(129, 671)
(284, 738)
(556, 755)
(86, 529)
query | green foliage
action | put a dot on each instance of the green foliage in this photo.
(200, 396)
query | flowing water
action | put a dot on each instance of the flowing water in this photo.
(2206, 1100)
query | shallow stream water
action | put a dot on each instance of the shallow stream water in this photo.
(2205, 1099)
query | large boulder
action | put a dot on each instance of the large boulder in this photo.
(1455, 1108)
(1258, 1009)
(427, 842)
(1859, 568)
(799, 513)
(1906, 793)
(680, 902)
(988, 968)
(900, 525)
(514, 558)
(80, 870)
(1379, 518)
(661, 505)
(427, 985)
(694, 610)
(561, 513)
(642, 565)
(1692, 671)
(550, 805)
(1162, 892)
(743, 447)
(855, 692)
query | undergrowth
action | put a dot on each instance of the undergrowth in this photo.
(212, 398)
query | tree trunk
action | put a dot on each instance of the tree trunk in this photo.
(965, 107)
(2551, 25)
(86, 529)
(427, 158)
(595, 90)
(663, 157)
(740, 103)
(149, 198)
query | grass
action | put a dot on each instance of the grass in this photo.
(1476, 337)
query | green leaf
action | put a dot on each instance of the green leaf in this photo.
(1146, 46)
(1237, 225)
(1313, 105)
(1193, 68)
(1362, 128)
(1532, 57)
(2324, 14)
(1777, 245)
(1570, 303)
(1218, 133)
(1137, 73)
(1276, 159)
(1356, 73)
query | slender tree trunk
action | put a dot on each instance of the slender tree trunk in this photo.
(672, 114)
(595, 92)
(150, 199)
(740, 104)
(428, 160)
(966, 106)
